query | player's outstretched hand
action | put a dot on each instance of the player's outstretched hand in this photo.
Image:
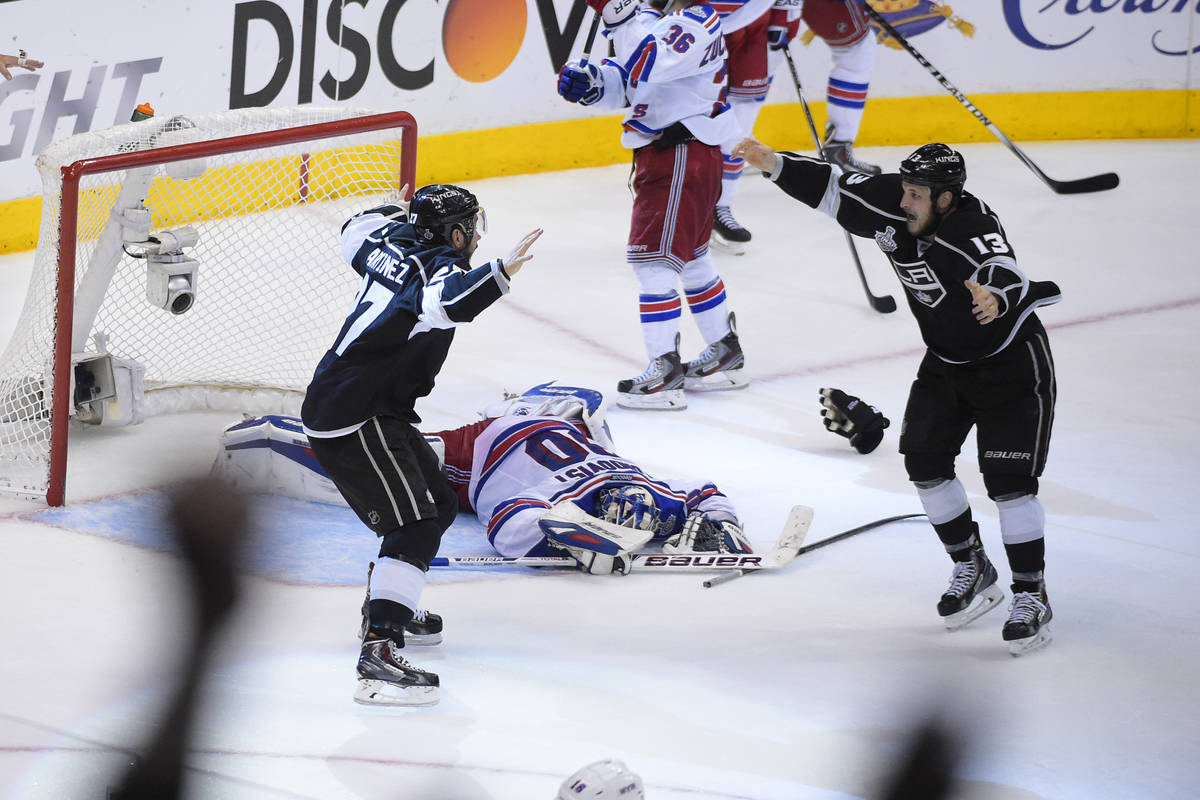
(985, 306)
(8, 62)
(520, 254)
(756, 154)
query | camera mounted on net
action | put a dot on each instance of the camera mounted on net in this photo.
(171, 274)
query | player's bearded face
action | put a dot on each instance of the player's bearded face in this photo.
(917, 205)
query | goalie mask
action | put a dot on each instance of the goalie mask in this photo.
(439, 209)
(628, 506)
(605, 779)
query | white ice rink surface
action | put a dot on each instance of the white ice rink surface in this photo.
(794, 685)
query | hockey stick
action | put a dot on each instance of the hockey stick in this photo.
(1094, 183)
(725, 577)
(782, 552)
(590, 40)
(884, 304)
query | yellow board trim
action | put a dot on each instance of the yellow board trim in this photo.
(594, 141)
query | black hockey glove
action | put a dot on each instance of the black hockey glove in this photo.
(846, 415)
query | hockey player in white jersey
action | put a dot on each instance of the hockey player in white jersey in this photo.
(669, 75)
(550, 446)
(756, 52)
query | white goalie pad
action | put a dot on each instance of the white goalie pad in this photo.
(270, 455)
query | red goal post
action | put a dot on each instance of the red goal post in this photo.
(252, 201)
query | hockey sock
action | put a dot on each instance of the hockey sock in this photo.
(846, 92)
(729, 179)
(1026, 558)
(660, 321)
(846, 101)
(708, 307)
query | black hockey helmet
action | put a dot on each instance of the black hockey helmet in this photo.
(438, 209)
(936, 166)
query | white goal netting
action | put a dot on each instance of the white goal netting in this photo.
(270, 286)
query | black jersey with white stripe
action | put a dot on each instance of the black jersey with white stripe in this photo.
(396, 337)
(969, 244)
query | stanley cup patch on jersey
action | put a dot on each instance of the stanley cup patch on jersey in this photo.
(921, 282)
(886, 239)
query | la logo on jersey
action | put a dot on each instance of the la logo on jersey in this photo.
(921, 283)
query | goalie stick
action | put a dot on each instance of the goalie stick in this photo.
(884, 304)
(1094, 183)
(782, 552)
(725, 577)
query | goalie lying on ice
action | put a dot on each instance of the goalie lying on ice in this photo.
(516, 469)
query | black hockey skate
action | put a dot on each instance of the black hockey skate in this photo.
(719, 366)
(660, 387)
(842, 153)
(727, 233)
(386, 679)
(972, 591)
(1027, 628)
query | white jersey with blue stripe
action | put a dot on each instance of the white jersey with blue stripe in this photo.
(669, 69)
(521, 466)
(737, 14)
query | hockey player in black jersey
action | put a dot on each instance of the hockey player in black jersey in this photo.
(987, 364)
(359, 410)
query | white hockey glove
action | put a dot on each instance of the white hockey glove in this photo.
(614, 13)
(600, 547)
(702, 534)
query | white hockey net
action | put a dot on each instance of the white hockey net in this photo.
(266, 190)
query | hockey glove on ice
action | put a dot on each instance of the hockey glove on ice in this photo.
(614, 12)
(580, 83)
(846, 415)
(702, 534)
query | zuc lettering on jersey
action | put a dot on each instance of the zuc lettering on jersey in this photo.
(66, 101)
(270, 18)
(1019, 14)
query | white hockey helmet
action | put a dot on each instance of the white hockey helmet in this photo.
(603, 780)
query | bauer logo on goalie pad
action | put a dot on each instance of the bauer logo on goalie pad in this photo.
(921, 282)
(744, 562)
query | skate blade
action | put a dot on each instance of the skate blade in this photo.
(422, 639)
(382, 693)
(1019, 647)
(717, 382)
(667, 400)
(723, 244)
(983, 603)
